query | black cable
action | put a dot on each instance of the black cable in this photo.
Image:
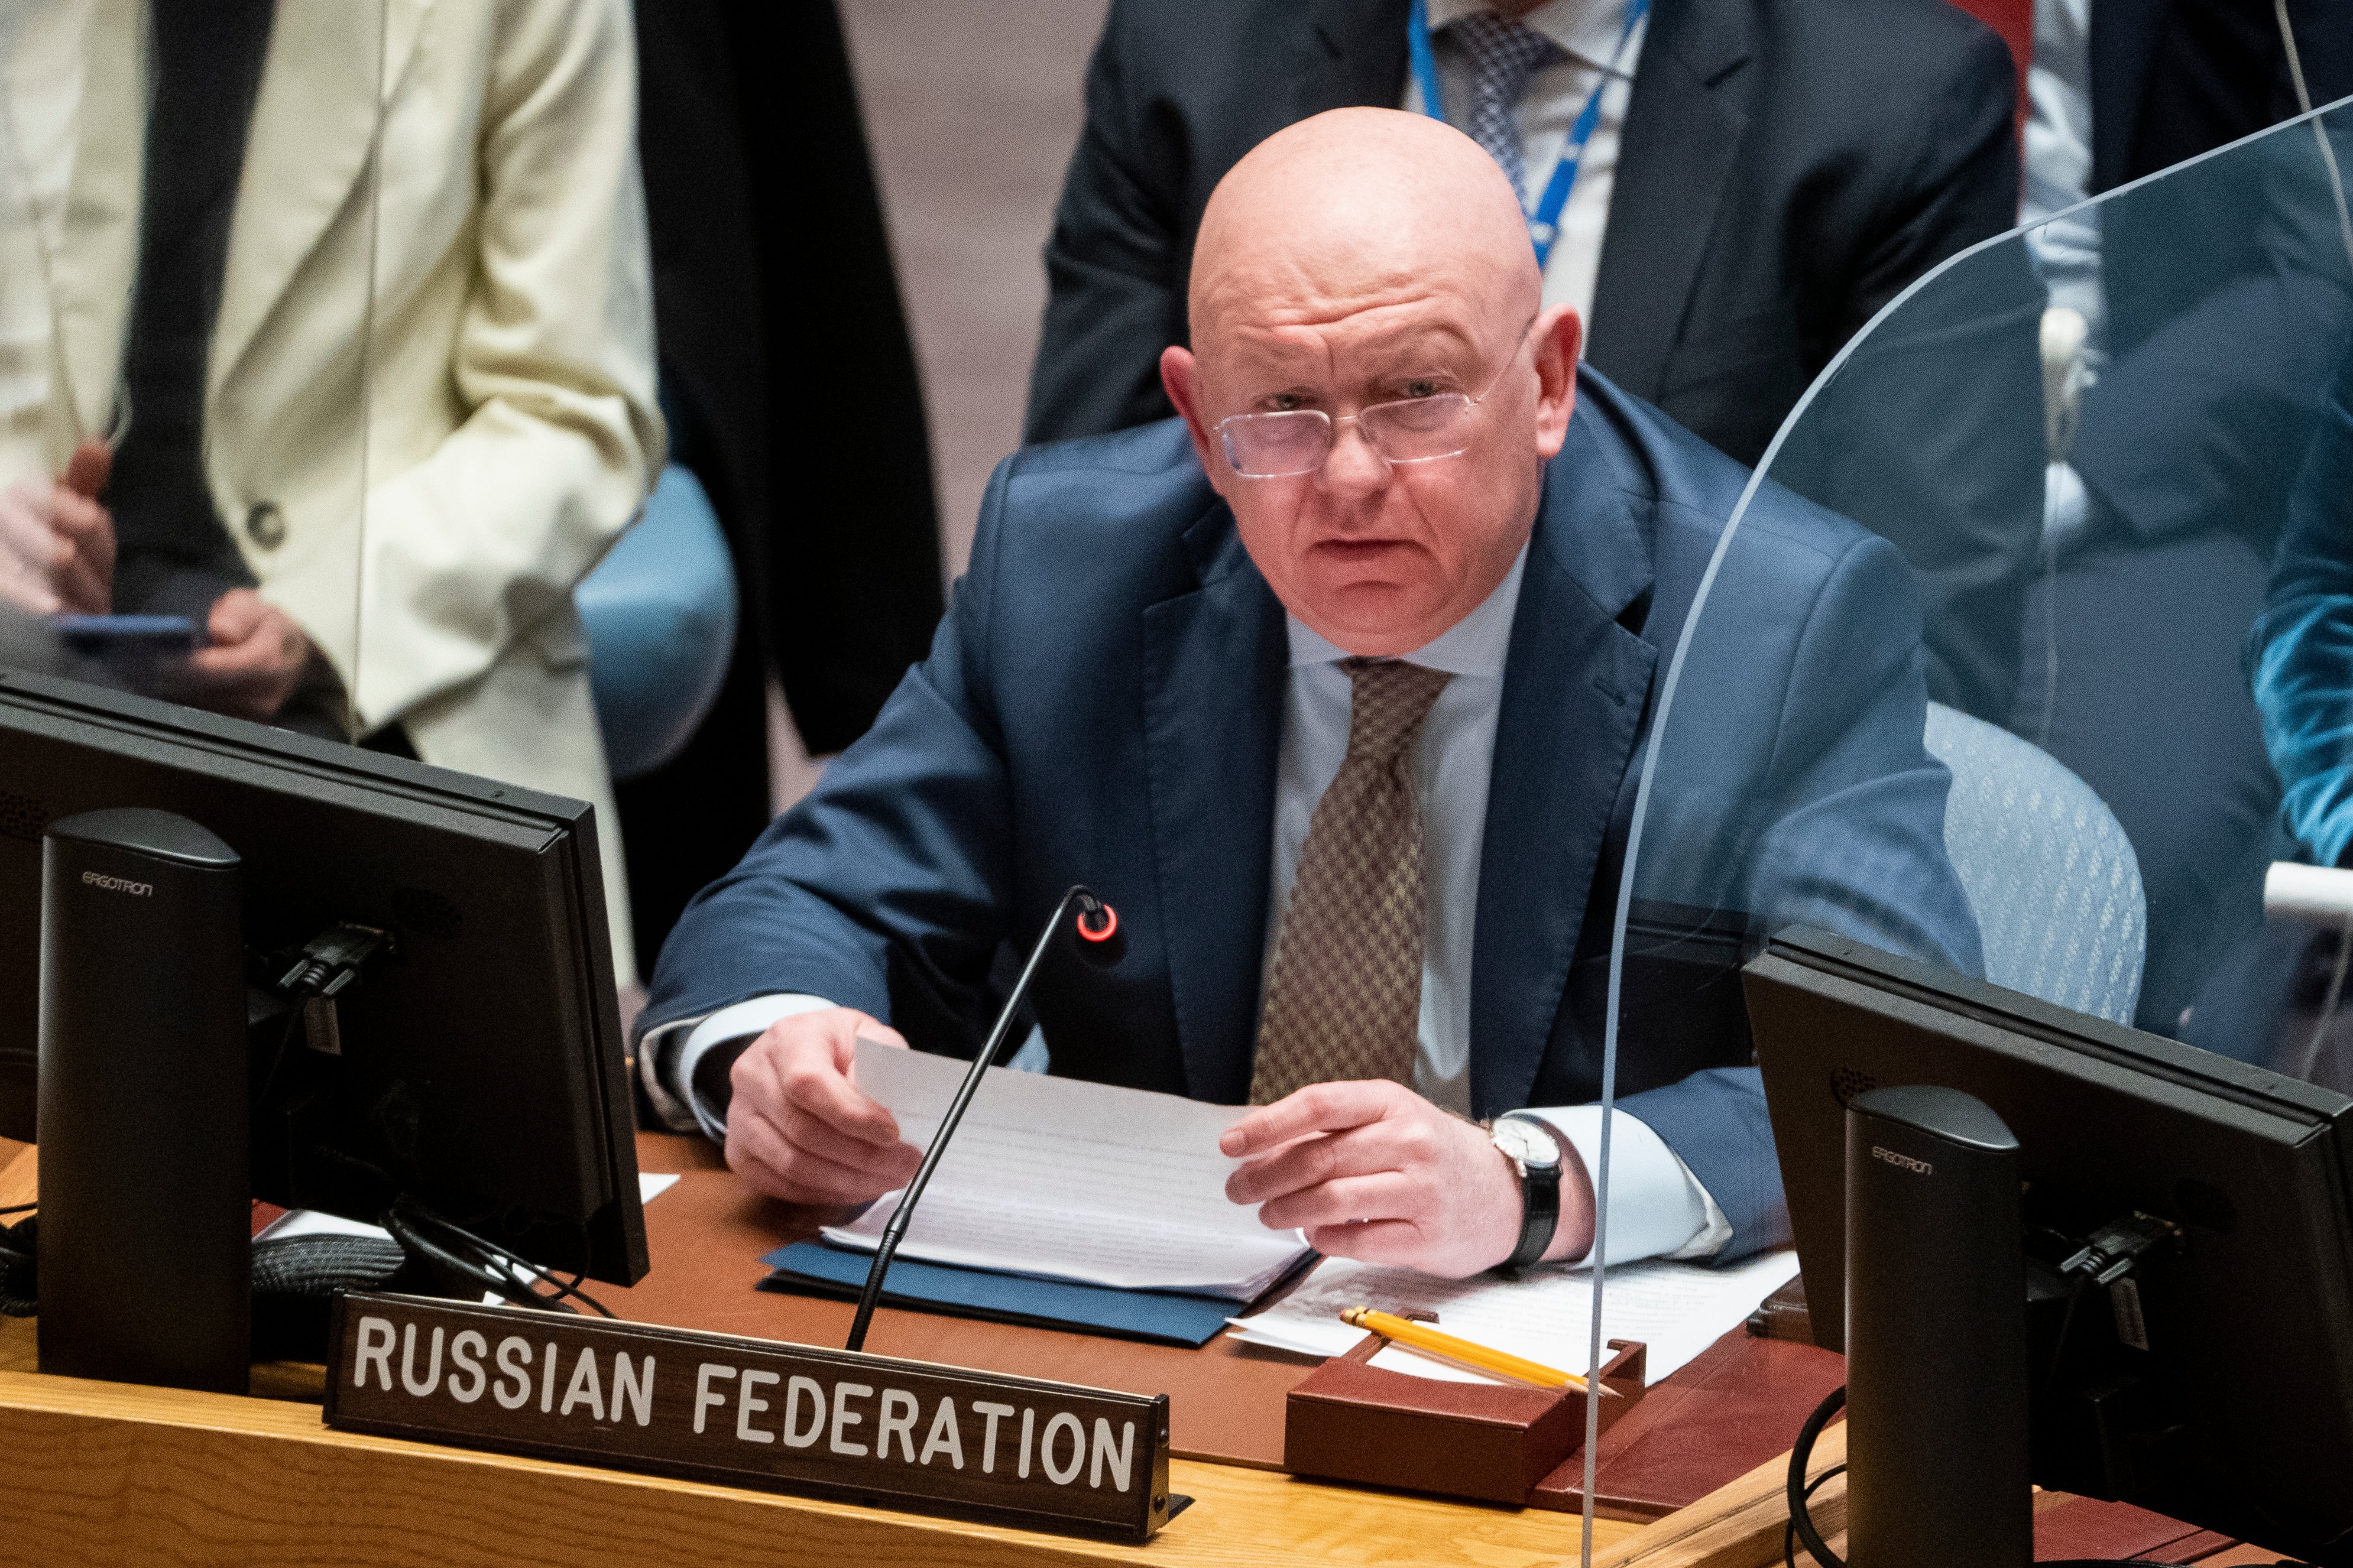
(1801, 1523)
(2066, 1321)
(1789, 1534)
(278, 1060)
(500, 1281)
(20, 1208)
(411, 1211)
(491, 1261)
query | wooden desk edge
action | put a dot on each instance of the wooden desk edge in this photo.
(114, 1472)
(120, 1473)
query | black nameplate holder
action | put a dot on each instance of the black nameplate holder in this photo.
(752, 1413)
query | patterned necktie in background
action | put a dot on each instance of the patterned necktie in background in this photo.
(1344, 996)
(1503, 52)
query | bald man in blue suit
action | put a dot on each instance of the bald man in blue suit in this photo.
(1387, 454)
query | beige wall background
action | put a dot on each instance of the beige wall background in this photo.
(971, 109)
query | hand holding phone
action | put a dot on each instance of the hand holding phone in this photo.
(57, 542)
(254, 659)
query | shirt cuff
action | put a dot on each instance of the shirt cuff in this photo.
(1657, 1207)
(742, 1021)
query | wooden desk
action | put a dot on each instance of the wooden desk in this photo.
(1742, 1525)
(112, 1474)
(1732, 1408)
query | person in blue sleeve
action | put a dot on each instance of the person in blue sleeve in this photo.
(2303, 643)
(1338, 687)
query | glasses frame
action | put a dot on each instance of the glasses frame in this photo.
(1331, 424)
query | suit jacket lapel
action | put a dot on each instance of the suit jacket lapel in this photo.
(315, 123)
(1576, 683)
(1215, 664)
(98, 245)
(1684, 126)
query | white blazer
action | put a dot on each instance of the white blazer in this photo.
(430, 399)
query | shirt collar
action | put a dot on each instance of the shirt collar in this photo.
(1475, 645)
(1588, 29)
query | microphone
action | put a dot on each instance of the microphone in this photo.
(1096, 926)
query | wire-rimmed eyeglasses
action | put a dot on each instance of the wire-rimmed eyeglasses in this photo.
(1407, 430)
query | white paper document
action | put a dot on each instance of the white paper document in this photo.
(1079, 1181)
(1678, 1309)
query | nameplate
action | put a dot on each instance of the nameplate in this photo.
(750, 1412)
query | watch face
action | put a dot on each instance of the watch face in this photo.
(1531, 1144)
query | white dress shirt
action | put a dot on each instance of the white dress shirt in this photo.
(1589, 31)
(2059, 159)
(1656, 1207)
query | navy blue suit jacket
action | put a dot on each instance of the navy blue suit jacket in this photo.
(1103, 704)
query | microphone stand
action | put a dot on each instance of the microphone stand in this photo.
(1099, 945)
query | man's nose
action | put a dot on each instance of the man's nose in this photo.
(1354, 466)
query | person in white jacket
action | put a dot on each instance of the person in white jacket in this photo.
(418, 363)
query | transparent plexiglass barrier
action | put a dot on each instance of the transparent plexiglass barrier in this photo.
(2028, 654)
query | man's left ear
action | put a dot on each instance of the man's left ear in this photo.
(1559, 335)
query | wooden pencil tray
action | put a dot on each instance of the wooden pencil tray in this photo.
(1351, 1422)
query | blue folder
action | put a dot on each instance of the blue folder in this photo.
(1162, 1317)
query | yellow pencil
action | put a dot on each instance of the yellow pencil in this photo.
(1422, 1337)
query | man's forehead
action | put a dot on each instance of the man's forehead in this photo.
(1289, 334)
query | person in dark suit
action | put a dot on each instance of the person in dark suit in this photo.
(839, 580)
(1339, 690)
(2173, 78)
(1760, 179)
(2220, 304)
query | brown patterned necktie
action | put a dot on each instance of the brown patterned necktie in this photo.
(1344, 997)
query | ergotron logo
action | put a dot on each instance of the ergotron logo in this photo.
(119, 885)
(1917, 1167)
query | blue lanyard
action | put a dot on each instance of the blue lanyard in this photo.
(1544, 224)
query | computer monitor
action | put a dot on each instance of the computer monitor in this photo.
(2238, 1415)
(481, 1064)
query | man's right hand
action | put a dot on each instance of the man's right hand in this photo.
(799, 1129)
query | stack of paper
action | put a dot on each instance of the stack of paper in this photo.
(1072, 1179)
(1678, 1309)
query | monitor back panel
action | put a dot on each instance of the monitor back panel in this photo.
(481, 1063)
(2251, 1325)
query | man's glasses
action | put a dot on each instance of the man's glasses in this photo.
(1409, 430)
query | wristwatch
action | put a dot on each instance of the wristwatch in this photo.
(1534, 1150)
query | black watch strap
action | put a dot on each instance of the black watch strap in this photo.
(1539, 1214)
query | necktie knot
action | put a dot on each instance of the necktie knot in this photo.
(1388, 700)
(1503, 52)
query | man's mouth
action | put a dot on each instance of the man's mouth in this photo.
(1357, 549)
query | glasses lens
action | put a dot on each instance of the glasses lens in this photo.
(1266, 445)
(1415, 429)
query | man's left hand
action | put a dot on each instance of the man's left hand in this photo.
(1372, 1170)
(256, 657)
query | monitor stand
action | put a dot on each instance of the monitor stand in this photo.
(145, 1220)
(1939, 1429)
